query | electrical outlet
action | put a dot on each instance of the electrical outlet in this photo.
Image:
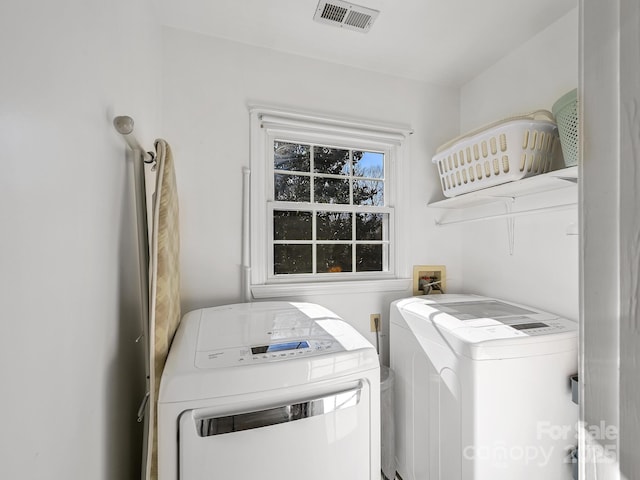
(375, 322)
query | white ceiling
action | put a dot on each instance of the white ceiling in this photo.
(445, 42)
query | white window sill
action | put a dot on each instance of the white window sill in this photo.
(330, 288)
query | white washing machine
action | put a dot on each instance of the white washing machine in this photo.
(268, 391)
(482, 389)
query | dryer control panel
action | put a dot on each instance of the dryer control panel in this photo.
(272, 352)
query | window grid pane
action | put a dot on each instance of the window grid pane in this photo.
(292, 258)
(292, 188)
(329, 160)
(332, 190)
(368, 165)
(313, 187)
(334, 225)
(292, 225)
(314, 259)
(370, 258)
(355, 252)
(334, 258)
(343, 239)
(351, 179)
(291, 157)
(293, 162)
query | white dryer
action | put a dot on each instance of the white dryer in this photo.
(268, 391)
(482, 389)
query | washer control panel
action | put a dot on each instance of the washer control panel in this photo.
(491, 316)
(532, 327)
(273, 352)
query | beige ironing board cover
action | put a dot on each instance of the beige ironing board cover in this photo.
(164, 295)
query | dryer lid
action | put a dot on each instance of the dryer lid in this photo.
(227, 350)
(265, 323)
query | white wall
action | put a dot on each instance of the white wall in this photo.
(531, 77)
(71, 373)
(543, 270)
(208, 83)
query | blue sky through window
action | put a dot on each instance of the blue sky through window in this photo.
(370, 165)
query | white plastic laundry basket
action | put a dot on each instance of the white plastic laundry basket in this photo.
(502, 152)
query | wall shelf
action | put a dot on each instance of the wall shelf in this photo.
(507, 193)
(557, 179)
(500, 201)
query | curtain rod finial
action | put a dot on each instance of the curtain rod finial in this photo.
(123, 124)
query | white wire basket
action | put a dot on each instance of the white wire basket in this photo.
(508, 150)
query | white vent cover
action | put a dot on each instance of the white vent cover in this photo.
(345, 15)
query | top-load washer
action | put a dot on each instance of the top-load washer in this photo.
(482, 389)
(268, 391)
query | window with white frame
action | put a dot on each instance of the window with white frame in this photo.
(324, 193)
(328, 210)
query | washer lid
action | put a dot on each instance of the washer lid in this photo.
(486, 328)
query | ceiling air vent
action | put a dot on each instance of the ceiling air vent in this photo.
(345, 15)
